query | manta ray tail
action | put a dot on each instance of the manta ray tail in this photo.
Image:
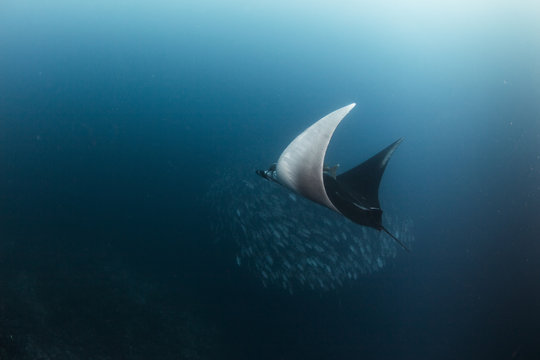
(395, 238)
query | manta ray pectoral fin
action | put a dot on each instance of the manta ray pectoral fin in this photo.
(362, 181)
(300, 166)
(355, 193)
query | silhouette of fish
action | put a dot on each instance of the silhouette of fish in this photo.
(353, 194)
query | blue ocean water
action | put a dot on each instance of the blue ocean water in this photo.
(118, 119)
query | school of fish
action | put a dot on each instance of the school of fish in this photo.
(293, 243)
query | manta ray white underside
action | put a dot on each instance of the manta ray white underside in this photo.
(300, 166)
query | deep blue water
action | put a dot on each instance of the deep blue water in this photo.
(116, 119)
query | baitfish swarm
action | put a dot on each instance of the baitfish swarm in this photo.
(290, 242)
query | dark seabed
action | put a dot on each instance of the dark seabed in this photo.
(133, 225)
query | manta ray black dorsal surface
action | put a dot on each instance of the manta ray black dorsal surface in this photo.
(355, 193)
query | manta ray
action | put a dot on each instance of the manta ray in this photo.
(353, 194)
